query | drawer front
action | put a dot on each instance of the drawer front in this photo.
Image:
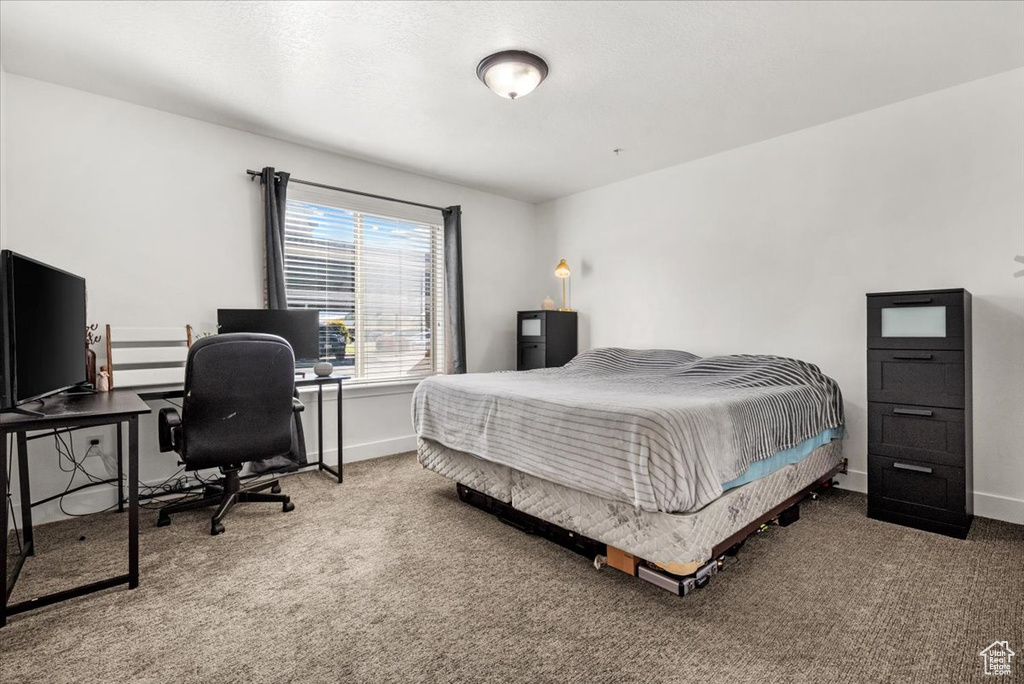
(924, 490)
(531, 326)
(531, 356)
(916, 321)
(922, 378)
(933, 435)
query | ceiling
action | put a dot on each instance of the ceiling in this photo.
(395, 83)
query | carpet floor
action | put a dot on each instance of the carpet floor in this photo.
(390, 578)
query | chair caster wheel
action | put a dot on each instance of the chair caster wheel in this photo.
(216, 528)
(276, 489)
(163, 521)
(287, 506)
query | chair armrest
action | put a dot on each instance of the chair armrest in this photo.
(169, 429)
(298, 406)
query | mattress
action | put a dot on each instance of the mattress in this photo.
(680, 542)
(659, 430)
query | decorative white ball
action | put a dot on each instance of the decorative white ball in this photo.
(323, 369)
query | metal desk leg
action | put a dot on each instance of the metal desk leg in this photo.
(133, 502)
(26, 494)
(320, 424)
(3, 526)
(120, 471)
(341, 451)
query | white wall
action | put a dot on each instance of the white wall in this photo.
(3, 154)
(770, 249)
(156, 212)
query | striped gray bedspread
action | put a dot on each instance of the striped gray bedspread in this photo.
(659, 429)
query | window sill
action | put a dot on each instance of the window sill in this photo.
(356, 390)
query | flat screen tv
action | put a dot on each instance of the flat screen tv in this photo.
(300, 327)
(43, 345)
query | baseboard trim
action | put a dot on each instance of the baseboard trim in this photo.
(854, 480)
(368, 450)
(986, 505)
(999, 507)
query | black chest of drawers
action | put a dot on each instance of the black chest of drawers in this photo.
(545, 339)
(920, 457)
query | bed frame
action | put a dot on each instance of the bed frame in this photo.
(678, 578)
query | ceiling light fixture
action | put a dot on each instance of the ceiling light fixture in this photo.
(512, 73)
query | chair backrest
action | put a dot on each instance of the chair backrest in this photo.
(238, 400)
(141, 357)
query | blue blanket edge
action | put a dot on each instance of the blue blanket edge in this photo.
(766, 467)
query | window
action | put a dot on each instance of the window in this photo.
(377, 280)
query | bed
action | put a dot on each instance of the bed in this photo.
(660, 455)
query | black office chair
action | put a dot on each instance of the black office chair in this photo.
(239, 406)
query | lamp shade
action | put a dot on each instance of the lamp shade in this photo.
(562, 270)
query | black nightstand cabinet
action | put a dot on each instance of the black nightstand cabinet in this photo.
(920, 439)
(545, 339)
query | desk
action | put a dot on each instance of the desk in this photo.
(177, 392)
(67, 412)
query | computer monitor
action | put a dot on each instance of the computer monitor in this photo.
(43, 330)
(300, 327)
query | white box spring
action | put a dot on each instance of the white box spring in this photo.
(666, 538)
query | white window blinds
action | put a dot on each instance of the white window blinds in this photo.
(375, 272)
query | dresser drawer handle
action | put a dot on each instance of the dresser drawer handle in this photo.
(913, 300)
(915, 468)
(912, 357)
(924, 413)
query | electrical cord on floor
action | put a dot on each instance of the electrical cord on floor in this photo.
(175, 484)
(170, 485)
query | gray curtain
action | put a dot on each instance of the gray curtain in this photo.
(275, 198)
(456, 318)
(275, 193)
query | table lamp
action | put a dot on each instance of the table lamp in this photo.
(562, 272)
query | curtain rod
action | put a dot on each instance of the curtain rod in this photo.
(258, 174)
